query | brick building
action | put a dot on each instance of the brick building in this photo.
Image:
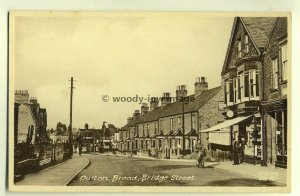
(254, 79)
(166, 128)
(274, 97)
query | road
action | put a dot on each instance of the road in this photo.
(127, 171)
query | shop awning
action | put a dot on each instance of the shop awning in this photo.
(226, 123)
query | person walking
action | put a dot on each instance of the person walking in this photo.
(235, 152)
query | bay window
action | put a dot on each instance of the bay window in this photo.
(229, 96)
(240, 85)
(235, 85)
(254, 84)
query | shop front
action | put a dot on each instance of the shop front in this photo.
(244, 129)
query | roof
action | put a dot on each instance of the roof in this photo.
(259, 28)
(176, 107)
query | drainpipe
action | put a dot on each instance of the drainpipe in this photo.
(263, 114)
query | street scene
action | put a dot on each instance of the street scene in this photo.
(112, 101)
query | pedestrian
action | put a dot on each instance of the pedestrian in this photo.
(80, 149)
(242, 150)
(202, 153)
(235, 152)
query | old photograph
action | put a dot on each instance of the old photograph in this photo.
(149, 101)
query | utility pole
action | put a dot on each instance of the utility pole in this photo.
(183, 128)
(71, 113)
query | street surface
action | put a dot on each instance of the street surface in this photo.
(112, 170)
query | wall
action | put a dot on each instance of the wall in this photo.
(210, 115)
(24, 121)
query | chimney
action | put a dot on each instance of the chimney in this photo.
(166, 99)
(144, 108)
(200, 85)
(21, 96)
(181, 91)
(136, 115)
(33, 100)
(154, 102)
(129, 119)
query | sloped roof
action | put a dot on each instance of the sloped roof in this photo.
(176, 107)
(259, 28)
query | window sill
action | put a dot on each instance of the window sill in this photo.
(272, 90)
(283, 82)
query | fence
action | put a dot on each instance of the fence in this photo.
(30, 158)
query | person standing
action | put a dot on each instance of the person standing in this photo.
(241, 150)
(235, 152)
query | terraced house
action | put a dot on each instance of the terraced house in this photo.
(254, 78)
(171, 129)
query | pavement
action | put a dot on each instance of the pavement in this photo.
(269, 173)
(57, 175)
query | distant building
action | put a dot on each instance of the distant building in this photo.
(29, 113)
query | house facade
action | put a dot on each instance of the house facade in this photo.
(274, 99)
(171, 129)
(254, 79)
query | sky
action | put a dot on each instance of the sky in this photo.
(117, 54)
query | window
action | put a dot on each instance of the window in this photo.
(148, 126)
(247, 44)
(193, 121)
(156, 127)
(143, 129)
(253, 82)
(275, 73)
(179, 122)
(226, 85)
(229, 96)
(284, 61)
(235, 82)
(171, 123)
(246, 83)
(240, 85)
(239, 49)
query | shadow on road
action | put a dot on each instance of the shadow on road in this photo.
(169, 167)
(243, 182)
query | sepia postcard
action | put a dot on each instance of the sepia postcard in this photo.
(149, 101)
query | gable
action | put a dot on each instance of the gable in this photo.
(239, 33)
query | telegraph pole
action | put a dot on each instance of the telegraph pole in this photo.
(183, 127)
(71, 113)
